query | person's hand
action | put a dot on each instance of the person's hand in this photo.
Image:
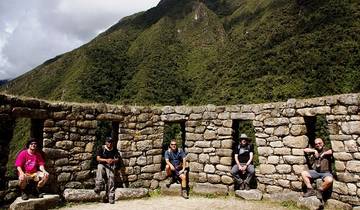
(172, 167)
(22, 176)
(182, 171)
(46, 174)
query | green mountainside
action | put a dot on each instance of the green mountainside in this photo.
(210, 51)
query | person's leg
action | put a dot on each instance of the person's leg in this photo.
(238, 180)
(327, 182)
(111, 184)
(183, 186)
(307, 177)
(99, 180)
(23, 181)
(43, 178)
(168, 170)
(250, 172)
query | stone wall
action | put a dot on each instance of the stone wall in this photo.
(280, 130)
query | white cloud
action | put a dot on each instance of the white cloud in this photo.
(33, 31)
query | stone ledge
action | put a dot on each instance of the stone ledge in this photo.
(311, 203)
(49, 201)
(88, 195)
(212, 189)
(174, 189)
(253, 194)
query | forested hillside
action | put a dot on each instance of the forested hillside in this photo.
(210, 51)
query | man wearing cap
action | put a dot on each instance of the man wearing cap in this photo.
(107, 156)
(244, 167)
(31, 167)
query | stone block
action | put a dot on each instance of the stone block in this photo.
(130, 193)
(273, 189)
(311, 203)
(337, 146)
(281, 131)
(342, 156)
(209, 135)
(82, 195)
(353, 166)
(253, 194)
(210, 189)
(47, 202)
(294, 160)
(351, 146)
(296, 141)
(340, 187)
(226, 161)
(209, 168)
(298, 130)
(227, 180)
(314, 111)
(203, 144)
(267, 169)
(174, 189)
(335, 204)
(224, 152)
(196, 167)
(214, 178)
(243, 116)
(282, 151)
(276, 144)
(283, 169)
(224, 131)
(352, 127)
(265, 151)
(283, 196)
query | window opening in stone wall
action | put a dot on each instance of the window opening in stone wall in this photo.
(316, 127)
(23, 129)
(105, 129)
(173, 131)
(245, 127)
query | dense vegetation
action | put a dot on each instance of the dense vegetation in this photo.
(210, 51)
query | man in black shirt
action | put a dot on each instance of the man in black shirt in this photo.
(107, 157)
(244, 154)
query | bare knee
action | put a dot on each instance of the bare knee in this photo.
(328, 179)
(305, 174)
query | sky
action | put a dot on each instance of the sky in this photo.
(33, 31)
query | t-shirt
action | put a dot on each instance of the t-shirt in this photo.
(106, 154)
(29, 162)
(244, 152)
(322, 164)
(175, 157)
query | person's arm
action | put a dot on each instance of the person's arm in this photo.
(310, 150)
(251, 156)
(103, 160)
(184, 165)
(42, 169)
(326, 153)
(169, 164)
(237, 161)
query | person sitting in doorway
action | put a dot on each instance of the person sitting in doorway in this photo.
(320, 162)
(107, 157)
(175, 167)
(30, 166)
(244, 167)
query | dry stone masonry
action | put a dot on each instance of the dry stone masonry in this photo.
(69, 136)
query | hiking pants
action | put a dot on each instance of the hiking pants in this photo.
(106, 173)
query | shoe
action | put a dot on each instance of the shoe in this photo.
(184, 194)
(111, 200)
(97, 189)
(247, 186)
(24, 196)
(310, 192)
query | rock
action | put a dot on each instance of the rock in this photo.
(296, 142)
(49, 201)
(130, 193)
(210, 189)
(283, 196)
(311, 203)
(249, 194)
(335, 204)
(351, 127)
(82, 195)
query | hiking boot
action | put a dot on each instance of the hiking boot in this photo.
(24, 196)
(38, 193)
(184, 194)
(111, 200)
(97, 189)
(310, 192)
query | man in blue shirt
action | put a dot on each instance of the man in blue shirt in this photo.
(175, 166)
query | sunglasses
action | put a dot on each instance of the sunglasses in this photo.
(173, 144)
(33, 143)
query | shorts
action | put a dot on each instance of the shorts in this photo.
(315, 175)
(36, 176)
